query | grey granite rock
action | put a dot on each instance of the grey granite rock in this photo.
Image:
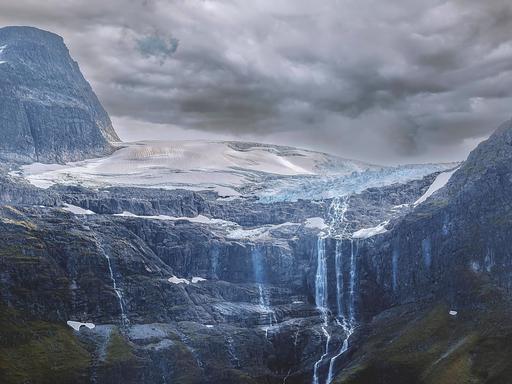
(48, 111)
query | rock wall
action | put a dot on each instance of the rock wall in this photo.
(48, 111)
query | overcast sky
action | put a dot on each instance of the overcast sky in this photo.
(385, 81)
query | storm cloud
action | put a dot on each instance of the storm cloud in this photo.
(399, 81)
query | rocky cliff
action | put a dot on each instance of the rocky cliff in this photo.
(442, 279)
(155, 286)
(48, 111)
(180, 286)
(108, 284)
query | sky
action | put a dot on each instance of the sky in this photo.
(383, 81)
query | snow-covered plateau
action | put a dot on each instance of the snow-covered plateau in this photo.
(232, 169)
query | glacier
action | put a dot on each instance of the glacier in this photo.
(231, 169)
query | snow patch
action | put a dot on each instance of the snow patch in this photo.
(453, 313)
(177, 280)
(197, 219)
(230, 228)
(440, 181)
(365, 233)
(1, 51)
(77, 210)
(315, 222)
(77, 324)
(259, 233)
(398, 207)
(475, 266)
(129, 214)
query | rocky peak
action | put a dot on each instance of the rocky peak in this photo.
(48, 111)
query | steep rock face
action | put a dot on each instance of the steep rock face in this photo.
(48, 111)
(458, 235)
(435, 289)
(254, 318)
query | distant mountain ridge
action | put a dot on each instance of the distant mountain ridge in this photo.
(48, 111)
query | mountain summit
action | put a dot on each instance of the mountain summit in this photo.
(48, 111)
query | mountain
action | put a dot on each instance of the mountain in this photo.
(48, 111)
(437, 293)
(230, 262)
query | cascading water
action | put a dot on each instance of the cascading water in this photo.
(264, 297)
(353, 281)
(345, 304)
(321, 299)
(214, 255)
(119, 294)
(394, 272)
(232, 352)
(337, 229)
(321, 276)
(347, 321)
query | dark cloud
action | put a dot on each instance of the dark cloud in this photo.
(157, 46)
(409, 80)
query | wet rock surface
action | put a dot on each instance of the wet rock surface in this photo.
(230, 298)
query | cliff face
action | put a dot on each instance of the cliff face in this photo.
(254, 318)
(48, 111)
(436, 287)
(459, 236)
(184, 286)
(276, 283)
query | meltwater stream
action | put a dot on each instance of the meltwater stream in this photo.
(345, 290)
(346, 320)
(321, 299)
(264, 297)
(117, 290)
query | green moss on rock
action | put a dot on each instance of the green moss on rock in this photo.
(39, 352)
(118, 350)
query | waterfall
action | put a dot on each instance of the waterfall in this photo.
(338, 264)
(119, 295)
(321, 299)
(346, 313)
(353, 281)
(188, 345)
(295, 342)
(348, 328)
(345, 290)
(346, 321)
(338, 228)
(117, 290)
(214, 254)
(232, 352)
(321, 276)
(264, 297)
(394, 264)
(426, 251)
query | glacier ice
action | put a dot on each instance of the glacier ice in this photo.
(270, 173)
